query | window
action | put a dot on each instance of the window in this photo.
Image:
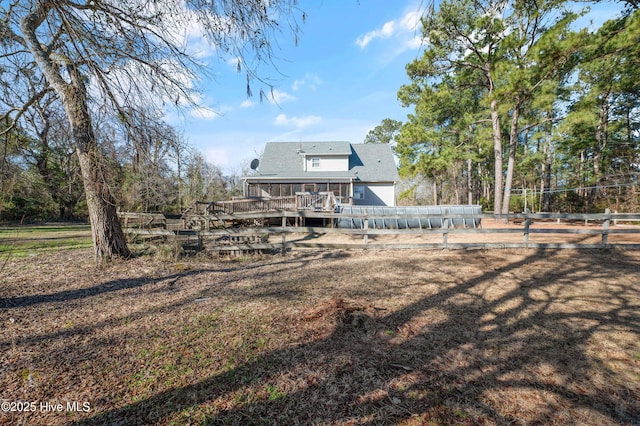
(315, 162)
(358, 192)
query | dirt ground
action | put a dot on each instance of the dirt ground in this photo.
(325, 337)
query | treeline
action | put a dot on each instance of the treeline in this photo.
(514, 105)
(150, 166)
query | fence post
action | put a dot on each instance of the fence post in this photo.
(445, 229)
(365, 239)
(284, 244)
(605, 227)
(527, 222)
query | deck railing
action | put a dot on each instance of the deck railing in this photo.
(320, 201)
(253, 204)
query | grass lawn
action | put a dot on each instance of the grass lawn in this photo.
(29, 240)
(323, 337)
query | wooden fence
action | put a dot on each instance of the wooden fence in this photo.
(131, 220)
(526, 230)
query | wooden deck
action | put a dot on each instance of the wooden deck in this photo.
(321, 201)
(254, 211)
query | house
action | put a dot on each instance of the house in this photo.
(363, 174)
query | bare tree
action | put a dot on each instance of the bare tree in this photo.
(50, 150)
(179, 152)
(149, 143)
(114, 54)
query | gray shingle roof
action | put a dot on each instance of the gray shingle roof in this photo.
(367, 162)
(326, 148)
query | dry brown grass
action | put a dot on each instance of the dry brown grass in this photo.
(326, 337)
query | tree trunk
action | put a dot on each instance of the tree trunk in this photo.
(469, 183)
(513, 144)
(601, 139)
(108, 238)
(581, 173)
(179, 171)
(454, 179)
(435, 191)
(497, 158)
(546, 170)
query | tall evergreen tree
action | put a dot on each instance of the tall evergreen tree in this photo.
(506, 51)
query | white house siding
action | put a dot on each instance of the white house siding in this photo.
(377, 195)
(327, 164)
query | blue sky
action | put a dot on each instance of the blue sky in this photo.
(339, 82)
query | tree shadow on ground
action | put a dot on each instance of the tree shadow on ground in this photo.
(112, 286)
(493, 348)
(82, 293)
(225, 277)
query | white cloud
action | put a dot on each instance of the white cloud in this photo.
(181, 27)
(404, 30)
(199, 48)
(204, 113)
(388, 29)
(312, 81)
(217, 155)
(332, 129)
(411, 21)
(415, 43)
(278, 97)
(364, 40)
(247, 103)
(232, 150)
(297, 122)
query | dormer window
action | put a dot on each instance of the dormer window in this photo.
(315, 163)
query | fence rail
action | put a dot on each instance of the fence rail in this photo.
(142, 220)
(526, 230)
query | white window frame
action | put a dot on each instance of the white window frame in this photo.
(315, 162)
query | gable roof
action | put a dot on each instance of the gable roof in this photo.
(367, 162)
